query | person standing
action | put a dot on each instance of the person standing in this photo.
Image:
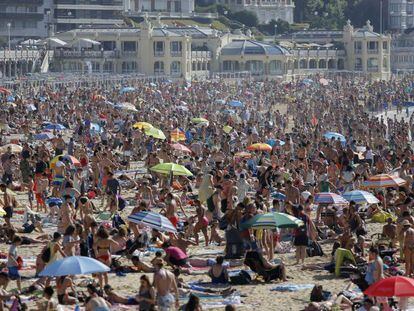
(301, 236)
(408, 246)
(165, 285)
(12, 262)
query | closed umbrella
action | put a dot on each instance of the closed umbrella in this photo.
(154, 132)
(330, 198)
(360, 197)
(74, 265)
(153, 220)
(168, 168)
(260, 147)
(383, 181)
(396, 286)
(271, 221)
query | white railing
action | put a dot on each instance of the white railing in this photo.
(201, 54)
(170, 14)
(18, 54)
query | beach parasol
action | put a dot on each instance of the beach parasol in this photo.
(43, 136)
(260, 147)
(152, 220)
(383, 181)
(396, 286)
(74, 265)
(66, 158)
(278, 196)
(236, 104)
(323, 81)
(4, 91)
(180, 147)
(2, 212)
(14, 148)
(177, 135)
(55, 127)
(336, 136)
(330, 198)
(168, 168)
(31, 108)
(271, 221)
(127, 89)
(243, 154)
(275, 142)
(142, 125)
(227, 129)
(220, 101)
(95, 128)
(154, 132)
(199, 120)
(360, 197)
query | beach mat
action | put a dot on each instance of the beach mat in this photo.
(292, 287)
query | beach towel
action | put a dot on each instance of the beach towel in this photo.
(292, 287)
(340, 255)
(231, 300)
(381, 217)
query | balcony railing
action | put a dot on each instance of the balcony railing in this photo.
(372, 69)
(358, 51)
(358, 68)
(201, 54)
(170, 14)
(159, 53)
(176, 53)
(372, 51)
(87, 54)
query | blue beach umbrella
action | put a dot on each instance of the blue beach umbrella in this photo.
(278, 196)
(55, 126)
(273, 142)
(236, 104)
(44, 136)
(127, 89)
(336, 136)
(74, 265)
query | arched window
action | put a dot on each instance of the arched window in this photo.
(159, 68)
(322, 63)
(175, 68)
(312, 64)
(303, 64)
(276, 67)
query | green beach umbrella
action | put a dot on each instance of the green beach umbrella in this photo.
(271, 221)
(168, 168)
(154, 132)
(199, 120)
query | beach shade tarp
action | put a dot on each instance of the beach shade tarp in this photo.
(127, 89)
(55, 127)
(152, 220)
(236, 104)
(271, 221)
(53, 42)
(383, 181)
(43, 136)
(260, 147)
(275, 142)
(142, 125)
(177, 135)
(74, 265)
(360, 197)
(330, 198)
(396, 286)
(154, 132)
(336, 136)
(180, 147)
(171, 168)
(199, 120)
(14, 148)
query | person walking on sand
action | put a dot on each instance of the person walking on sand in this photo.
(165, 285)
(408, 248)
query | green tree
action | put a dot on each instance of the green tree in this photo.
(247, 18)
(328, 14)
(269, 28)
(359, 11)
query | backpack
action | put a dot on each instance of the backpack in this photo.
(241, 278)
(314, 249)
(117, 221)
(46, 254)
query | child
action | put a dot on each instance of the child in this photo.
(41, 188)
(215, 237)
(12, 262)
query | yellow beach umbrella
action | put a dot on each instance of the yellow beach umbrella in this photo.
(142, 125)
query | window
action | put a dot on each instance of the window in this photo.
(128, 67)
(275, 67)
(108, 67)
(176, 48)
(175, 68)
(372, 64)
(385, 45)
(158, 48)
(358, 47)
(255, 66)
(372, 47)
(129, 46)
(159, 68)
(358, 64)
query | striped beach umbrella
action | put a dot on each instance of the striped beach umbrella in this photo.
(271, 221)
(152, 220)
(177, 135)
(330, 199)
(260, 147)
(383, 181)
(360, 197)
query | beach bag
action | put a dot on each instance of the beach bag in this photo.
(241, 278)
(314, 249)
(122, 203)
(117, 221)
(46, 254)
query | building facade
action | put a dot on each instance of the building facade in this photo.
(172, 6)
(402, 52)
(25, 19)
(400, 14)
(266, 10)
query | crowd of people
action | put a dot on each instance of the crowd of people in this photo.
(76, 162)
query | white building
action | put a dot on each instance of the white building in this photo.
(400, 14)
(172, 6)
(266, 10)
(402, 52)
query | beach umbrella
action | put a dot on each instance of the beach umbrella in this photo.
(152, 220)
(66, 158)
(142, 125)
(4, 91)
(229, 111)
(336, 136)
(330, 198)
(260, 147)
(199, 120)
(177, 135)
(360, 197)
(243, 154)
(236, 104)
(74, 265)
(2, 212)
(271, 221)
(14, 148)
(383, 181)
(31, 108)
(307, 81)
(55, 126)
(10, 99)
(395, 286)
(275, 142)
(227, 129)
(183, 108)
(43, 136)
(323, 81)
(127, 89)
(154, 132)
(168, 168)
(220, 101)
(278, 196)
(180, 147)
(95, 128)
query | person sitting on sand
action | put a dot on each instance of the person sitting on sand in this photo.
(389, 230)
(94, 302)
(63, 283)
(218, 273)
(47, 302)
(141, 266)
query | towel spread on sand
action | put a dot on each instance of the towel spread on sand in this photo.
(292, 287)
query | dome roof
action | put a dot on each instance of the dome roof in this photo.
(250, 47)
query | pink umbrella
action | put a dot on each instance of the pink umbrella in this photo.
(180, 147)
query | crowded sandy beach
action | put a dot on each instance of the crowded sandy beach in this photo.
(207, 195)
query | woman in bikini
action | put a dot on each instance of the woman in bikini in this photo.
(63, 283)
(102, 247)
(202, 222)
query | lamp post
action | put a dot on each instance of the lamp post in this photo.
(8, 31)
(275, 31)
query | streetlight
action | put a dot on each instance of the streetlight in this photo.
(8, 29)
